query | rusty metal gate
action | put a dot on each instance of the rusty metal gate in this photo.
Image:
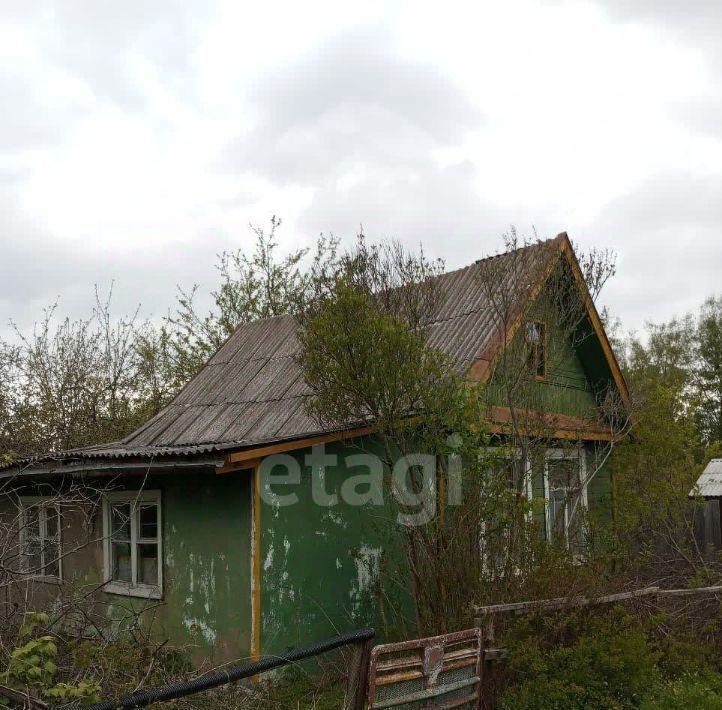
(438, 672)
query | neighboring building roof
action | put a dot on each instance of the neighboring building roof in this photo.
(709, 484)
(252, 392)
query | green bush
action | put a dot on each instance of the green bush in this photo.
(607, 661)
(603, 662)
(32, 667)
(700, 691)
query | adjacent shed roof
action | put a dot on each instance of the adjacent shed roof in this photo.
(709, 484)
(252, 392)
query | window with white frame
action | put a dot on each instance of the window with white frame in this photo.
(133, 547)
(40, 538)
(566, 495)
(513, 481)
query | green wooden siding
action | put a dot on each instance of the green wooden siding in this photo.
(599, 491)
(566, 389)
(328, 569)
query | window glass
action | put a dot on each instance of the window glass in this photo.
(148, 564)
(535, 337)
(52, 558)
(511, 477)
(134, 545)
(121, 562)
(564, 495)
(34, 559)
(120, 521)
(148, 521)
(41, 539)
(52, 523)
(32, 521)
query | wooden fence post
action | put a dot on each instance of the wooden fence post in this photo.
(357, 684)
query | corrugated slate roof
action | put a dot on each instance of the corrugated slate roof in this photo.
(252, 390)
(709, 484)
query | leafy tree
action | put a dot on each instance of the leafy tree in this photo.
(252, 286)
(709, 372)
(32, 670)
(69, 384)
(657, 467)
(73, 383)
(366, 359)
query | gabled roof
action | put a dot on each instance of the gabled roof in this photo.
(709, 484)
(251, 392)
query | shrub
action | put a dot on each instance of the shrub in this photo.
(609, 665)
(701, 691)
(610, 661)
(32, 667)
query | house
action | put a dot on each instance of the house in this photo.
(183, 525)
(708, 520)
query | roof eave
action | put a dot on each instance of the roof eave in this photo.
(114, 466)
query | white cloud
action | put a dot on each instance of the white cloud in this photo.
(143, 138)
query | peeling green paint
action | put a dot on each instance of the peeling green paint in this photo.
(206, 604)
(321, 564)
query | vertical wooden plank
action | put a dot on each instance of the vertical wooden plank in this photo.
(256, 565)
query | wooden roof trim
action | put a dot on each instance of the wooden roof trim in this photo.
(564, 427)
(258, 452)
(483, 367)
(596, 321)
(555, 426)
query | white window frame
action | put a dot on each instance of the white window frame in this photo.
(133, 588)
(579, 454)
(42, 503)
(527, 492)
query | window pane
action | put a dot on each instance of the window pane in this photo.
(53, 569)
(32, 521)
(563, 473)
(52, 555)
(148, 564)
(52, 523)
(121, 571)
(33, 559)
(148, 522)
(557, 504)
(503, 471)
(533, 332)
(120, 521)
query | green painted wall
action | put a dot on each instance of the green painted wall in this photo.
(599, 491)
(206, 605)
(328, 569)
(207, 555)
(320, 566)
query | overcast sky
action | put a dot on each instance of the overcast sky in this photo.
(139, 138)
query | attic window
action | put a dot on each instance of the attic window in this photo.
(535, 339)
